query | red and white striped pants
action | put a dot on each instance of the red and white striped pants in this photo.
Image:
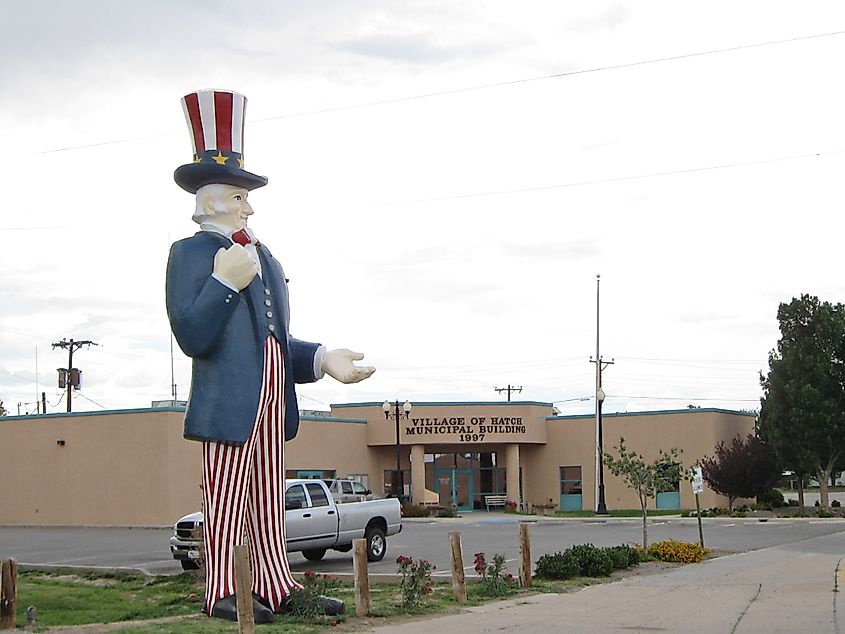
(244, 487)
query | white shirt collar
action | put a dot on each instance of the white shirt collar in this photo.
(224, 231)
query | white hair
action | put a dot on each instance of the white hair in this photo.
(209, 202)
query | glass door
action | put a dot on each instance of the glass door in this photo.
(455, 486)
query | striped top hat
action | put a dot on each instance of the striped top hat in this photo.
(216, 123)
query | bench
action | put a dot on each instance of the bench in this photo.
(494, 500)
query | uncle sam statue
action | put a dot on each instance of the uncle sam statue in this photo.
(227, 301)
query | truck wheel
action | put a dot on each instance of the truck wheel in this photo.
(376, 544)
(189, 564)
(315, 554)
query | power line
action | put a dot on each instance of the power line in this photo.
(615, 179)
(687, 398)
(582, 71)
(454, 91)
(92, 400)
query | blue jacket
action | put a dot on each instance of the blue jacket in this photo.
(224, 333)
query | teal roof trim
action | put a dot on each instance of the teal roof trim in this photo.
(330, 419)
(697, 410)
(450, 404)
(105, 412)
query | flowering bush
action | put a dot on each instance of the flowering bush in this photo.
(416, 580)
(683, 552)
(307, 604)
(495, 580)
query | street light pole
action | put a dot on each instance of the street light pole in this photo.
(406, 410)
(601, 507)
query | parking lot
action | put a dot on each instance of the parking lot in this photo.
(147, 550)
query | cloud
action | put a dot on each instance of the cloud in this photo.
(609, 19)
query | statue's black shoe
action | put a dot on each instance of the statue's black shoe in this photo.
(227, 608)
(332, 606)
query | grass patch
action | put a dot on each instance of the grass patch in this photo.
(620, 513)
(73, 598)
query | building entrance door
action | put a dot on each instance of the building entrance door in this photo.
(455, 486)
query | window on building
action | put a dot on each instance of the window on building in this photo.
(570, 480)
(311, 474)
(318, 495)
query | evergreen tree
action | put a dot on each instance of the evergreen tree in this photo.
(803, 406)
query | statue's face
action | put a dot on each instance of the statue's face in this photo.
(232, 208)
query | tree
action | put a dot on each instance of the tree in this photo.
(645, 478)
(741, 469)
(3, 410)
(802, 410)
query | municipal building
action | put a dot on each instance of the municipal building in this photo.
(133, 468)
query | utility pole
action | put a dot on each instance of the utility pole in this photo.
(71, 375)
(601, 507)
(510, 388)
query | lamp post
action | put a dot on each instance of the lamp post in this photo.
(397, 416)
(601, 508)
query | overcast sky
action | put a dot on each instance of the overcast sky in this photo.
(446, 180)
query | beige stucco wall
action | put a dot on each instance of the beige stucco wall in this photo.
(119, 468)
(572, 442)
(133, 468)
(331, 445)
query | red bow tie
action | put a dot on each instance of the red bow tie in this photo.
(243, 239)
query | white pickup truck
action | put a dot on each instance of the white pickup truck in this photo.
(313, 524)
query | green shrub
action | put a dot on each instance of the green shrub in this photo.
(738, 513)
(772, 497)
(619, 557)
(414, 510)
(636, 555)
(592, 561)
(557, 566)
(448, 511)
(793, 503)
(416, 580)
(496, 581)
(836, 504)
(823, 513)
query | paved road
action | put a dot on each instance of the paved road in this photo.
(146, 549)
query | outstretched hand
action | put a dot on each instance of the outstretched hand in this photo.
(338, 365)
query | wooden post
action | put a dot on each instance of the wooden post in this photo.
(362, 577)
(243, 590)
(8, 593)
(459, 587)
(525, 555)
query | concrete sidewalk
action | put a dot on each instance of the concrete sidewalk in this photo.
(785, 589)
